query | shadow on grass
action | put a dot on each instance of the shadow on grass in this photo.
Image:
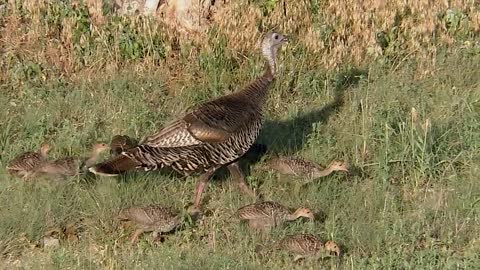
(290, 135)
(284, 137)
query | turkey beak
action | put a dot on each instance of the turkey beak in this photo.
(285, 39)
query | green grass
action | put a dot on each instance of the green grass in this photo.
(411, 202)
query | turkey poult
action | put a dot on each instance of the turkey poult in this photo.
(121, 143)
(71, 166)
(332, 248)
(150, 218)
(301, 167)
(265, 215)
(307, 245)
(24, 165)
(212, 135)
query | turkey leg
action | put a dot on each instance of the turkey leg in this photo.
(202, 182)
(239, 178)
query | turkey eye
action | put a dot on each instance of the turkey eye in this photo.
(275, 36)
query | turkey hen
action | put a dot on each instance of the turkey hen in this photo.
(211, 135)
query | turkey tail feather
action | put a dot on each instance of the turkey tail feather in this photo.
(114, 166)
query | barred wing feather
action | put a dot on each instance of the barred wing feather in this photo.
(212, 122)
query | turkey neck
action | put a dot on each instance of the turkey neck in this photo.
(292, 216)
(92, 158)
(257, 91)
(321, 173)
(44, 152)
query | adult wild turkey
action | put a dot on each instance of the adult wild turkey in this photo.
(211, 135)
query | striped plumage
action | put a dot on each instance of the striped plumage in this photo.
(67, 166)
(301, 245)
(120, 143)
(150, 218)
(195, 156)
(298, 166)
(307, 245)
(71, 166)
(25, 164)
(268, 214)
(211, 135)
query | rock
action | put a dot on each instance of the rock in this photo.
(191, 15)
(51, 238)
(150, 7)
(50, 242)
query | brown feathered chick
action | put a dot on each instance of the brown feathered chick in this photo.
(71, 166)
(150, 218)
(298, 166)
(265, 215)
(307, 245)
(301, 245)
(25, 164)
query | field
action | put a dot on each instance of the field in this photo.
(393, 90)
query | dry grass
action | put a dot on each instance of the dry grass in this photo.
(67, 40)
